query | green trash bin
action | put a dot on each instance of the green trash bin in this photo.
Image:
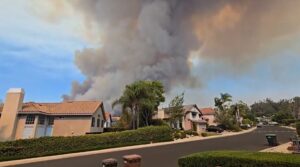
(272, 139)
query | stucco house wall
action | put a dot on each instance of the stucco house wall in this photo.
(210, 119)
(20, 126)
(71, 125)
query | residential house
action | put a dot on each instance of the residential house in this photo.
(192, 118)
(108, 120)
(209, 115)
(20, 120)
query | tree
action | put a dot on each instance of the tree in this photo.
(141, 96)
(296, 106)
(226, 113)
(175, 110)
(125, 120)
(221, 103)
(281, 116)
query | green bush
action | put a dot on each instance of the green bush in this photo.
(287, 122)
(239, 159)
(159, 122)
(191, 133)
(59, 145)
(204, 134)
(247, 121)
(298, 127)
(207, 134)
(179, 134)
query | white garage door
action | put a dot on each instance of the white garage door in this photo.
(40, 131)
(28, 131)
(49, 130)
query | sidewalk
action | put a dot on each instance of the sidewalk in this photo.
(71, 155)
(288, 127)
(280, 148)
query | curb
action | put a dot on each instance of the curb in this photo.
(282, 148)
(288, 127)
(79, 154)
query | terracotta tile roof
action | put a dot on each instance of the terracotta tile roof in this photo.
(107, 116)
(115, 118)
(63, 108)
(207, 111)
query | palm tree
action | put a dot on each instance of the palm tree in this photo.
(220, 103)
(129, 101)
(140, 95)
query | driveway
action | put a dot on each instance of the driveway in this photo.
(166, 156)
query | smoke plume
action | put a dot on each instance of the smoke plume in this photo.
(153, 39)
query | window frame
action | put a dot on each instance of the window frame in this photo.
(93, 122)
(50, 121)
(30, 119)
(41, 120)
(98, 122)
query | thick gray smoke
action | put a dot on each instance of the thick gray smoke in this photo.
(139, 40)
(153, 39)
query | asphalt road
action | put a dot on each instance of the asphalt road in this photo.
(166, 156)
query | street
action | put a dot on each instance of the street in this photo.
(166, 156)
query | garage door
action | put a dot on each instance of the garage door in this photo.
(40, 131)
(49, 130)
(28, 131)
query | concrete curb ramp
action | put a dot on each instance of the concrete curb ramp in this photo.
(72, 155)
(282, 148)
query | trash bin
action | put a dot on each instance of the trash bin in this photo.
(133, 160)
(272, 139)
(110, 163)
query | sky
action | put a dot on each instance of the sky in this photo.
(38, 53)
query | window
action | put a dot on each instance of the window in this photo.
(102, 123)
(194, 114)
(93, 122)
(50, 120)
(41, 120)
(98, 122)
(30, 119)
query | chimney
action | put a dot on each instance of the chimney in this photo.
(13, 104)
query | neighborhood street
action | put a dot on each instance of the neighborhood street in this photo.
(166, 156)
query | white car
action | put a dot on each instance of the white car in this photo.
(259, 125)
(273, 123)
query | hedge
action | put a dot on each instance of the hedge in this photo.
(28, 148)
(287, 122)
(239, 159)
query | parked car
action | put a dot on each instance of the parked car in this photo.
(259, 125)
(273, 123)
(245, 126)
(213, 128)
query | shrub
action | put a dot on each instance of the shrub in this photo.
(247, 121)
(159, 122)
(238, 159)
(287, 122)
(298, 127)
(179, 134)
(59, 145)
(204, 134)
(191, 133)
(207, 134)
